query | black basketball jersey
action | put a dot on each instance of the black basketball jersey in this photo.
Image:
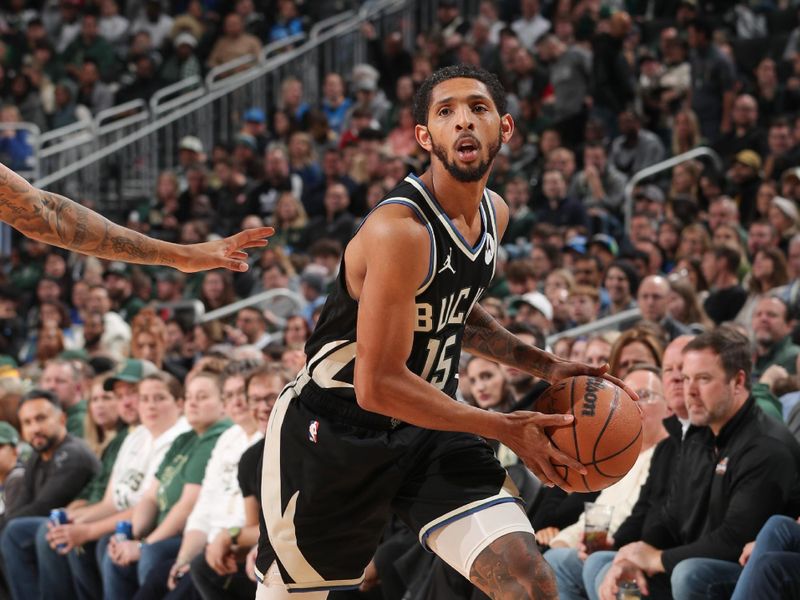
(457, 277)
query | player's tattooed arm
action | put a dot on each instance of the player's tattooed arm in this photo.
(512, 568)
(484, 336)
(59, 221)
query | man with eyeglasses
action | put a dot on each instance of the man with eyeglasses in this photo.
(567, 554)
(219, 572)
(736, 468)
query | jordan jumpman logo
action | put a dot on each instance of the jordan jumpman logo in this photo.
(448, 263)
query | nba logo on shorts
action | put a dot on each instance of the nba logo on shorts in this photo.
(313, 429)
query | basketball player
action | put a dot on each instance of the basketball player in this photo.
(370, 426)
(59, 221)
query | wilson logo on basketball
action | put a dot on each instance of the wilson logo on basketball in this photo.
(590, 396)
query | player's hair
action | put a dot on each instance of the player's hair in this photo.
(422, 99)
(732, 347)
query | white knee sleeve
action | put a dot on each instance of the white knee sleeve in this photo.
(273, 589)
(459, 543)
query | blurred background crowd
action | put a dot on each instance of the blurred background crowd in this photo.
(599, 91)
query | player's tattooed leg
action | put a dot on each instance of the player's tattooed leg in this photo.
(512, 568)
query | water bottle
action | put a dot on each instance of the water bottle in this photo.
(123, 531)
(629, 590)
(58, 516)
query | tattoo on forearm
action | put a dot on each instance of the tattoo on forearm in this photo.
(57, 220)
(484, 336)
(512, 568)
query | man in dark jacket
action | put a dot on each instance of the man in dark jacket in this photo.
(737, 467)
(59, 468)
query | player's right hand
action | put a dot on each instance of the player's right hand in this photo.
(526, 437)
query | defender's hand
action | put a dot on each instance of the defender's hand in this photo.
(227, 253)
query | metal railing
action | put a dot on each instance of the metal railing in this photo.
(610, 322)
(292, 303)
(664, 165)
(121, 162)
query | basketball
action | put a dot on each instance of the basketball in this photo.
(606, 435)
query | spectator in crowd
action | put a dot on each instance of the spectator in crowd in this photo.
(684, 307)
(219, 571)
(278, 178)
(712, 81)
(531, 25)
(160, 515)
(633, 347)
(558, 209)
(622, 285)
(770, 562)
(771, 332)
(612, 80)
(768, 273)
(91, 526)
(567, 550)
(15, 146)
(12, 473)
(691, 545)
(745, 134)
(183, 63)
(93, 93)
(337, 223)
(720, 266)
(635, 148)
(287, 22)
(63, 379)
(652, 299)
(115, 335)
(220, 505)
(599, 185)
(234, 43)
(59, 467)
(335, 104)
(151, 19)
(117, 278)
(90, 44)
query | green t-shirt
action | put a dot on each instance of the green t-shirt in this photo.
(94, 491)
(75, 418)
(185, 462)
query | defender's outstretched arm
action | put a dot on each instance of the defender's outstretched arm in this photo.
(59, 221)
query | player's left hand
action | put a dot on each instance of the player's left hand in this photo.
(227, 253)
(561, 369)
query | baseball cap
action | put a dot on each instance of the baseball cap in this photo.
(536, 300)
(8, 366)
(249, 141)
(132, 371)
(254, 115)
(191, 143)
(186, 38)
(606, 241)
(117, 268)
(8, 435)
(653, 193)
(748, 158)
(787, 207)
(366, 84)
(576, 244)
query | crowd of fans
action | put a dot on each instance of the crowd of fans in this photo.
(65, 61)
(710, 257)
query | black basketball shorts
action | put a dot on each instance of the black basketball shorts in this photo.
(329, 486)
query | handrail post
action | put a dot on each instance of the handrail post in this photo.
(664, 165)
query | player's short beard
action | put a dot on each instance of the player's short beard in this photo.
(469, 174)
